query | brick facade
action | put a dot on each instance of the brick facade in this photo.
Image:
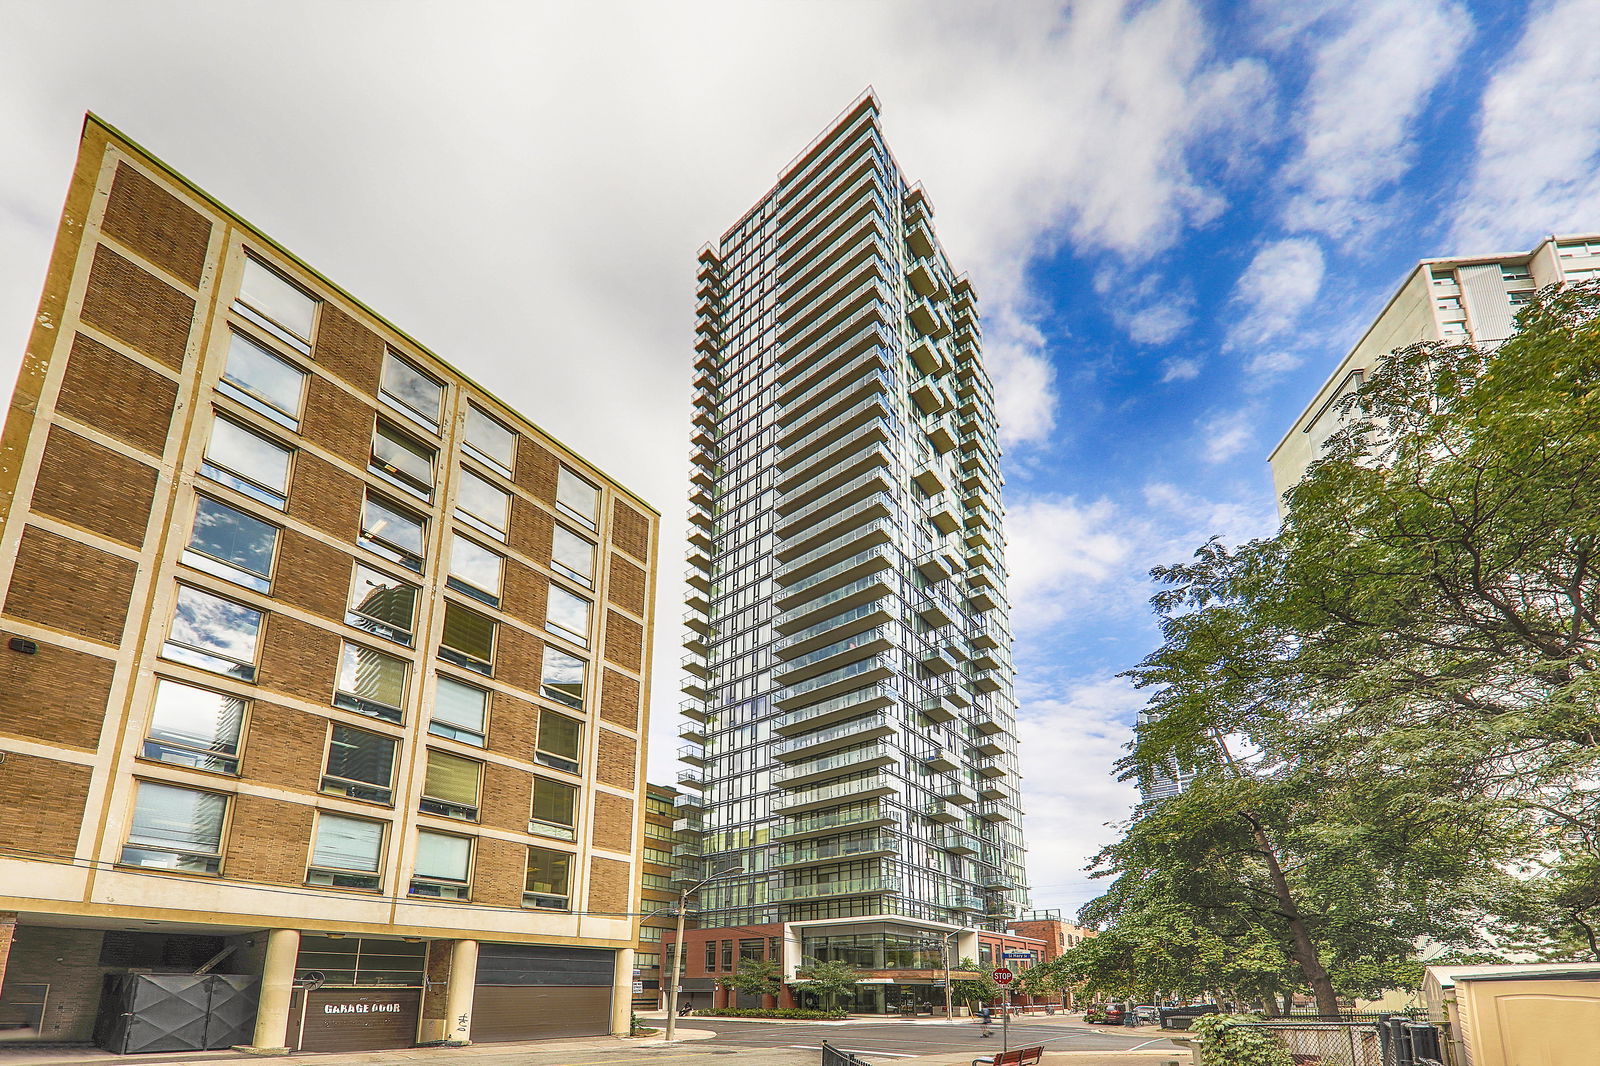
(57, 695)
(156, 225)
(41, 804)
(618, 756)
(117, 396)
(70, 586)
(119, 512)
(138, 308)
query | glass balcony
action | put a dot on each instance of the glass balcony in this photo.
(942, 811)
(964, 903)
(833, 709)
(863, 590)
(862, 617)
(693, 732)
(866, 886)
(837, 792)
(798, 668)
(872, 668)
(873, 338)
(812, 443)
(854, 537)
(825, 822)
(688, 801)
(958, 842)
(864, 234)
(937, 708)
(824, 412)
(696, 710)
(941, 759)
(834, 765)
(873, 559)
(867, 846)
(993, 812)
(693, 754)
(876, 457)
(692, 779)
(866, 325)
(848, 522)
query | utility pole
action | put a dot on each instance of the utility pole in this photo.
(677, 948)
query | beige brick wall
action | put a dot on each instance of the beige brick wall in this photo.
(338, 421)
(156, 225)
(117, 396)
(513, 726)
(526, 592)
(349, 350)
(321, 496)
(268, 840)
(41, 804)
(68, 960)
(138, 308)
(624, 643)
(630, 530)
(507, 797)
(608, 886)
(284, 747)
(118, 509)
(531, 530)
(619, 699)
(312, 575)
(70, 586)
(500, 869)
(299, 659)
(618, 756)
(537, 469)
(57, 696)
(613, 822)
(626, 586)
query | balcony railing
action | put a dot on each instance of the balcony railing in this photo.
(872, 586)
(854, 730)
(841, 423)
(865, 886)
(869, 844)
(878, 557)
(818, 509)
(873, 664)
(832, 821)
(842, 619)
(834, 763)
(859, 700)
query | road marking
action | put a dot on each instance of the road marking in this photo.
(853, 1050)
(1147, 1043)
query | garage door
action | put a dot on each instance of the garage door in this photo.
(355, 1019)
(531, 1012)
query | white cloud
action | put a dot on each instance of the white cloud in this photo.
(1190, 519)
(1058, 551)
(1280, 282)
(1160, 323)
(1070, 738)
(1536, 169)
(1374, 66)
(1269, 363)
(1227, 435)
(1179, 369)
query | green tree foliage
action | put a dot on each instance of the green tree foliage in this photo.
(973, 991)
(1040, 981)
(1392, 705)
(1227, 1040)
(755, 977)
(831, 980)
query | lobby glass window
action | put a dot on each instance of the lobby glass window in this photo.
(232, 545)
(572, 556)
(444, 865)
(195, 727)
(176, 829)
(243, 459)
(263, 382)
(560, 741)
(475, 570)
(382, 605)
(410, 391)
(555, 809)
(393, 532)
(348, 853)
(578, 498)
(468, 639)
(278, 306)
(489, 442)
(563, 678)
(372, 683)
(483, 505)
(459, 711)
(214, 634)
(360, 765)
(402, 460)
(549, 883)
(451, 785)
(567, 616)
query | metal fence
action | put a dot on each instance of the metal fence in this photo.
(1383, 1041)
(832, 1056)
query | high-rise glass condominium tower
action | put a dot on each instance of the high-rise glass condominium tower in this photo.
(851, 721)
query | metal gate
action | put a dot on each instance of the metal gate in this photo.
(150, 1012)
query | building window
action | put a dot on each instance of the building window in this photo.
(348, 853)
(727, 955)
(410, 391)
(560, 741)
(276, 305)
(372, 683)
(450, 787)
(549, 883)
(176, 829)
(651, 934)
(402, 460)
(1524, 296)
(647, 960)
(489, 442)
(393, 532)
(1516, 272)
(572, 556)
(360, 765)
(245, 460)
(232, 545)
(382, 605)
(468, 639)
(555, 809)
(195, 727)
(711, 956)
(563, 678)
(443, 865)
(659, 882)
(1578, 248)
(567, 616)
(483, 505)
(578, 498)
(214, 634)
(263, 382)
(657, 856)
(475, 570)
(459, 711)
(751, 948)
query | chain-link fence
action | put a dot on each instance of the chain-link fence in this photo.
(1385, 1041)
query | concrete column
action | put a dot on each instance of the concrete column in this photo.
(277, 985)
(458, 994)
(622, 993)
(8, 930)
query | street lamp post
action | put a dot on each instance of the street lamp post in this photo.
(677, 948)
(944, 952)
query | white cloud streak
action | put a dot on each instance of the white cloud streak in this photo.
(1280, 282)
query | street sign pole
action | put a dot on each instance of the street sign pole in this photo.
(1003, 977)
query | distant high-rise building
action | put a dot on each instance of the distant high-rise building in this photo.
(852, 717)
(1470, 298)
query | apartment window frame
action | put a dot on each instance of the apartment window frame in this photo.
(562, 566)
(362, 577)
(554, 827)
(566, 498)
(462, 656)
(209, 858)
(437, 885)
(355, 788)
(371, 536)
(409, 444)
(476, 417)
(558, 897)
(455, 730)
(548, 754)
(550, 678)
(469, 586)
(211, 562)
(256, 396)
(349, 696)
(259, 311)
(394, 395)
(470, 511)
(188, 750)
(331, 875)
(561, 629)
(250, 484)
(711, 956)
(208, 658)
(432, 800)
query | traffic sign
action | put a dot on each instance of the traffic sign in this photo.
(1003, 976)
(1016, 954)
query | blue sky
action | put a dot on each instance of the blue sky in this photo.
(1179, 215)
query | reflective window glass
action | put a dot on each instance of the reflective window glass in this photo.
(176, 829)
(195, 727)
(443, 862)
(402, 460)
(560, 741)
(459, 711)
(347, 854)
(232, 545)
(382, 605)
(263, 382)
(490, 441)
(214, 634)
(567, 615)
(360, 765)
(393, 532)
(549, 883)
(245, 460)
(450, 787)
(468, 638)
(483, 505)
(412, 391)
(555, 809)
(371, 682)
(267, 299)
(577, 497)
(563, 677)
(572, 555)
(475, 570)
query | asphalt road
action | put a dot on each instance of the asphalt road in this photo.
(891, 1040)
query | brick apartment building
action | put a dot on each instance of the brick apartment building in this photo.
(664, 835)
(323, 674)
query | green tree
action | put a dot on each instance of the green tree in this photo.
(755, 977)
(832, 980)
(1040, 981)
(973, 991)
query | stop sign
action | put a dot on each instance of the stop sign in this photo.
(1003, 976)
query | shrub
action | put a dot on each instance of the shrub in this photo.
(1223, 1042)
(793, 1013)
